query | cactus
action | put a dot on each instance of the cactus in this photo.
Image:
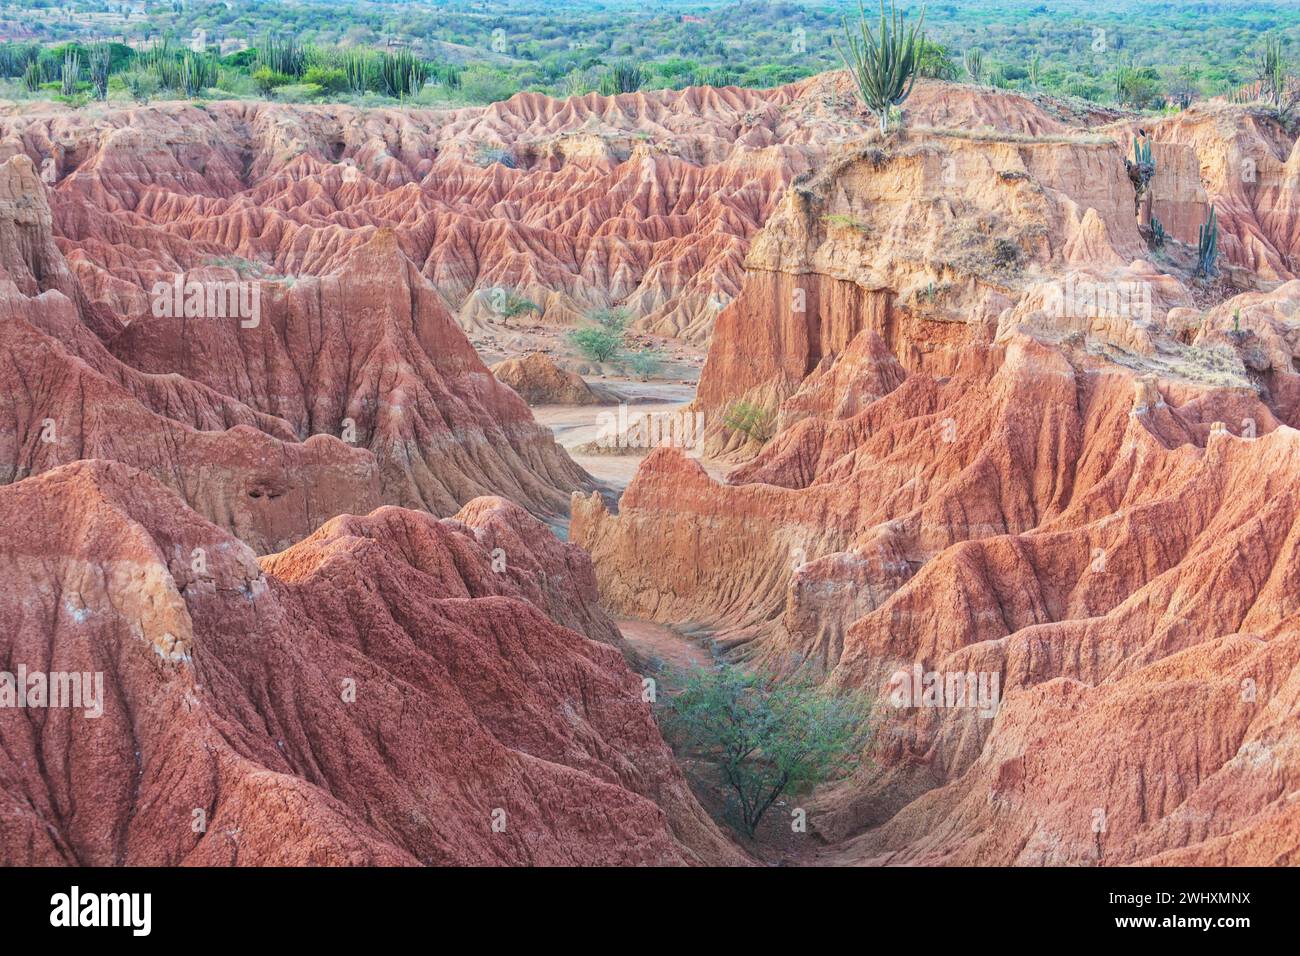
(400, 74)
(280, 55)
(196, 73)
(14, 57)
(885, 65)
(622, 78)
(1208, 245)
(973, 61)
(359, 68)
(1271, 68)
(99, 58)
(1035, 68)
(71, 73)
(32, 77)
(1142, 153)
(1158, 234)
(1141, 169)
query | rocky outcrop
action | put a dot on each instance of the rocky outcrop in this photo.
(990, 465)
(1250, 167)
(539, 381)
(342, 392)
(390, 690)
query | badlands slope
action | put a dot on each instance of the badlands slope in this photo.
(984, 464)
(306, 555)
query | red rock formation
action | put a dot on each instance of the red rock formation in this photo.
(1003, 476)
(387, 691)
(539, 381)
(981, 463)
(348, 390)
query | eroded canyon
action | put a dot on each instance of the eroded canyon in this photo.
(311, 550)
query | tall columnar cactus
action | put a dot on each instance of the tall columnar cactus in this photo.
(281, 55)
(1141, 170)
(71, 74)
(1035, 68)
(1208, 245)
(973, 61)
(1271, 68)
(1142, 153)
(99, 57)
(883, 65)
(1158, 235)
(197, 71)
(359, 68)
(622, 78)
(401, 74)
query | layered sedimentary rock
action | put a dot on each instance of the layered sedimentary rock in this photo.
(539, 381)
(647, 200)
(1044, 457)
(395, 689)
(333, 394)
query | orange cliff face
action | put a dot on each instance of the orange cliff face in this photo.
(1010, 443)
(1005, 439)
(385, 685)
(393, 690)
(342, 392)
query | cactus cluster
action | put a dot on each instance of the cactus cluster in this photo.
(100, 58)
(1142, 153)
(973, 61)
(71, 73)
(280, 55)
(1207, 250)
(1158, 234)
(401, 74)
(622, 78)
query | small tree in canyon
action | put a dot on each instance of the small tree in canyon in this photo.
(883, 65)
(768, 736)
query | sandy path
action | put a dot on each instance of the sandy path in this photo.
(658, 645)
(576, 425)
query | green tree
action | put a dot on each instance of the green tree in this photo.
(645, 364)
(598, 344)
(768, 736)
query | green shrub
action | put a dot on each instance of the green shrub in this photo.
(508, 303)
(614, 319)
(645, 364)
(750, 419)
(768, 735)
(141, 86)
(485, 84)
(267, 80)
(598, 344)
(298, 92)
(327, 78)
